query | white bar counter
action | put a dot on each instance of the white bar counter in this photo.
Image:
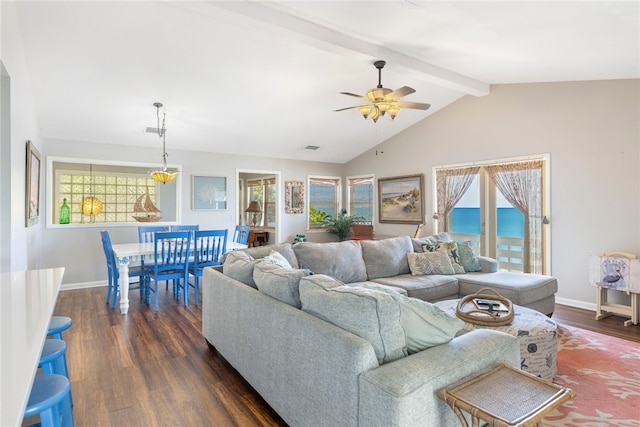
(27, 301)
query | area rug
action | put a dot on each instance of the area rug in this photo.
(604, 372)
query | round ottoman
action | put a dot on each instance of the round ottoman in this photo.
(537, 334)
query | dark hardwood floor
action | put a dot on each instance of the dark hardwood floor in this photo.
(155, 369)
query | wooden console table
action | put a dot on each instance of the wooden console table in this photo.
(258, 238)
(505, 396)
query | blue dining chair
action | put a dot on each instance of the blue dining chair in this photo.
(184, 227)
(171, 257)
(146, 233)
(209, 245)
(241, 234)
(113, 272)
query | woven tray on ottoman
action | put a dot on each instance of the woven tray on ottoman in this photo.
(537, 334)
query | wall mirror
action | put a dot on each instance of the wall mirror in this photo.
(82, 192)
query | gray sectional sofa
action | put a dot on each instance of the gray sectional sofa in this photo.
(268, 322)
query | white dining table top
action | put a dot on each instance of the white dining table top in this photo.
(122, 250)
(27, 301)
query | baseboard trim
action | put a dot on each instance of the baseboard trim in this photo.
(576, 303)
(82, 285)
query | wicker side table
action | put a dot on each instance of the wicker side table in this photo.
(505, 396)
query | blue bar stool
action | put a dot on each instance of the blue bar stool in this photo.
(53, 359)
(57, 324)
(50, 397)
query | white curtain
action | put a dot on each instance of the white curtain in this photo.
(521, 184)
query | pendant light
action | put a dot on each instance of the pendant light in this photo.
(162, 175)
(91, 206)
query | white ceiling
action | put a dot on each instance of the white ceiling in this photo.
(263, 78)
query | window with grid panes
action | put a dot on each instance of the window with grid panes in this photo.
(361, 196)
(116, 186)
(324, 199)
(264, 191)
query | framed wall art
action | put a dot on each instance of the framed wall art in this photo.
(32, 186)
(294, 197)
(208, 193)
(400, 199)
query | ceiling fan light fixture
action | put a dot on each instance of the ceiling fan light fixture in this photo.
(375, 114)
(365, 110)
(393, 110)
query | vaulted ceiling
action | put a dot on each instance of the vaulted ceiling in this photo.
(263, 78)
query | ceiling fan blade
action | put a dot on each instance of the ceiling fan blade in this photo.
(353, 94)
(399, 93)
(415, 105)
(349, 108)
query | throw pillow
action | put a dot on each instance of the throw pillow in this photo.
(278, 259)
(278, 282)
(425, 325)
(239, 266)
(468, 257)
(429, 263)
(451, 249)
(371, 315)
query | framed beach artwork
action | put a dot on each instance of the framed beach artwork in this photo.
(208, 193)
(400, 199)
(294, 197)
(32, 186)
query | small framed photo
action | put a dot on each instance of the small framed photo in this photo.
(208, 193)
(32, 186)
(400, 199)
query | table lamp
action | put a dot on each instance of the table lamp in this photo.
(255, 209)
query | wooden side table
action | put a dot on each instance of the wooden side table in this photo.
(257, 238)
(505, 396)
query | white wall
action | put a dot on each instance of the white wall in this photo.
(24, 126)
(80, 250)
(591, 129)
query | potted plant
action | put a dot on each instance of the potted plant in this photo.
(340, 225)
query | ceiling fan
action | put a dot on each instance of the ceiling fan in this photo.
(382, 100)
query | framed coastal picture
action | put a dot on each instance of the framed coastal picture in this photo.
(400, 199)
(294, 197)
(209, 193)
(32, 186)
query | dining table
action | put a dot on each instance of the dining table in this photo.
(127, 252)
(27, 301)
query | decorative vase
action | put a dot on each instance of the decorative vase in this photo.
(65, 212)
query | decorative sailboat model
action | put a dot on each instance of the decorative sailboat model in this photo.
(146, 210)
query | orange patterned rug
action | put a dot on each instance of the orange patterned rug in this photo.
(605, 374)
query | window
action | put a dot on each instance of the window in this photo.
(500, 206)
(264, 191)
(360, 196)
(122, 191)
(324, 199)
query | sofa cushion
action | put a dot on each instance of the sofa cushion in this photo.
(468, 257)
(278, 282)
(342, 260)
(369, 314)
(386, 257)
(520, 288)
(425, 325)
(239, 265)
(429, 263)
(433, 287)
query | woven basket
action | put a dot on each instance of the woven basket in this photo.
(467, 312)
